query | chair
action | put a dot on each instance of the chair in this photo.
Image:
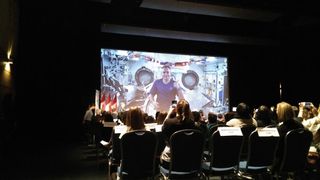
(186, 148)
(104, 135)
(246, 131)
(114, 154)
(161, 147)
(138, 155)
(224, 155)
(261, 155)
(294, 159)
(211, 130)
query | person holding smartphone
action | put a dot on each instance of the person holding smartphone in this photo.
(179, 117)
(306, 110)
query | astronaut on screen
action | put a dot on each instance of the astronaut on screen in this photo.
(165, 89)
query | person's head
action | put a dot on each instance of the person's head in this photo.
(135, 119)
(203, 117)
(243, 111)
(107, 117)
(149, 119)
(91, 106)
(183, 110)
(307, 112)
(166, 73)
(263, 114)
(229, 115)
(212, 118)
(284, 111)
(161, 117)
(196, 116)
(221, 118)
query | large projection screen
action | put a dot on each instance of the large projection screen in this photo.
(127, 77)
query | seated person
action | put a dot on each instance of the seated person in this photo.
(182, 119)
(242, 117)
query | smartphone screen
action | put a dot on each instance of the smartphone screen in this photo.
(174, 102)
(307, 103)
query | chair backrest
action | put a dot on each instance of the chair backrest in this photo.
(246, 131)
(186, 147)
(213, 128)
(296, 147)
(225, 150)
(114, 156)
(261, 150)
(138, 154)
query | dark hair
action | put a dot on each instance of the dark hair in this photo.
(107, 117)
(166, 65)
(135, 119)
(212, 117)
(243, 111)
(196, 116)
(263, 114)
(161, 117)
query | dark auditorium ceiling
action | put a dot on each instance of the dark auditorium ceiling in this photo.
(257, 22)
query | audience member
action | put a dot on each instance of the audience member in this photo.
(87, 123)
(149, 119)
(212, 120)
(286, 123)
(316, 140)
(106, 131)
(313, 158)
(201, 125)
(242, 117)
(203, 117)
(161, 117)
(313, 124)
(263, 116)
(228, 116)
(135, 120)
(182, 120)
(306, 110)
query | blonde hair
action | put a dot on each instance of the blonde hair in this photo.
(284, 111)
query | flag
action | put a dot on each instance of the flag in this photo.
(114, 105)
(96, 101)
(107, 103)
(102, 101)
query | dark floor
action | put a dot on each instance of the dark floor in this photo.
(59, 160)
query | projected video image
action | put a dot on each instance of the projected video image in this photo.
(153, 80)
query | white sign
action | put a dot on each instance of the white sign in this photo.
(268, 132)
(230, 131)
(150, 126)
(120, 129)
(159, 128)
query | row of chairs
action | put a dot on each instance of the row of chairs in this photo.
(139, 155)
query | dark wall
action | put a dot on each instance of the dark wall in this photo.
(57, 70)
